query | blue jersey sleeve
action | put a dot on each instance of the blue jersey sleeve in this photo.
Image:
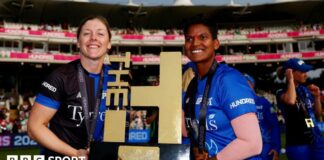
(272, 121)
(236, 97)
(48, 102)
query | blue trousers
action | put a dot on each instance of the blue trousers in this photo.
(314, 151)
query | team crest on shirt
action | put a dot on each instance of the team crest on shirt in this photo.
(210, 100)
(211, 147)
(78, 95)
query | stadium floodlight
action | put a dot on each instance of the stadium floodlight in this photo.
(22, 3)
(131, 3)
(183, 3)
(243, 11)
(233, 4)
(138, 12)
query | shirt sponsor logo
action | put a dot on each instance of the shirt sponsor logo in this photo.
(48, 86)
(211, 123)
(241, 102)
(259, 107)
(78, 95)
(78, 116)
(199, 100)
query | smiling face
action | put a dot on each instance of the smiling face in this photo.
(199, 44)
(93, 40)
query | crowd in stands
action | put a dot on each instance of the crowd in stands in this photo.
(14, 111)
(234, 30)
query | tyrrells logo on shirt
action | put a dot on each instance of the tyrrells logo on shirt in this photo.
(210, 122)
(49, 87)
(300, 104)
(78, 116)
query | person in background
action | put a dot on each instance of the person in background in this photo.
(68, 112)
(269, 125)
(219, 107)
(301, 108)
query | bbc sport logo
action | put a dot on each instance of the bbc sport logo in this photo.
(42, 157)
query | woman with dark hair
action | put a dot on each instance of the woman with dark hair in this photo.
(68, 112)
(219, 105)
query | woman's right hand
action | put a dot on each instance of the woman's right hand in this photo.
(289, 74)
(83, 154)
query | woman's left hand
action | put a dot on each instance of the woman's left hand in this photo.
(314, 90)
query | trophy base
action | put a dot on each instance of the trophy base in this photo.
(138, 151)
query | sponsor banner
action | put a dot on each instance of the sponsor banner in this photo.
(285, 56)
(154, 59)
(138, 136)
(19, 55)
(44, 56)
(269, 56)
(308, 54)
(66, 57)
(232, 58)
(257, 35)
(322, 31)
(41, 56)
(151, 59)
(55, 34)
(278, 35)
(137, 58)
(16, 32)
(293, 34)
(319, 54)
(238, 58)
(36, 33)
(70, 35)
(132, 37)
(167, 37)
(309, 33)
(173, 38)
(16, 140)
(239, 37)
(153, 38)
(226, 37)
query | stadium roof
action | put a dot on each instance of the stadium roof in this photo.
(52, 11)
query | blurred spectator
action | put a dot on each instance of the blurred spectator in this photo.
(269, 125)
(24, 110)
(301, 108)
(4, 102)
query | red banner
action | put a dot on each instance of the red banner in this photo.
(154, 59)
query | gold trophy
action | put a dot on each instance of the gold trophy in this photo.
(166, 96)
